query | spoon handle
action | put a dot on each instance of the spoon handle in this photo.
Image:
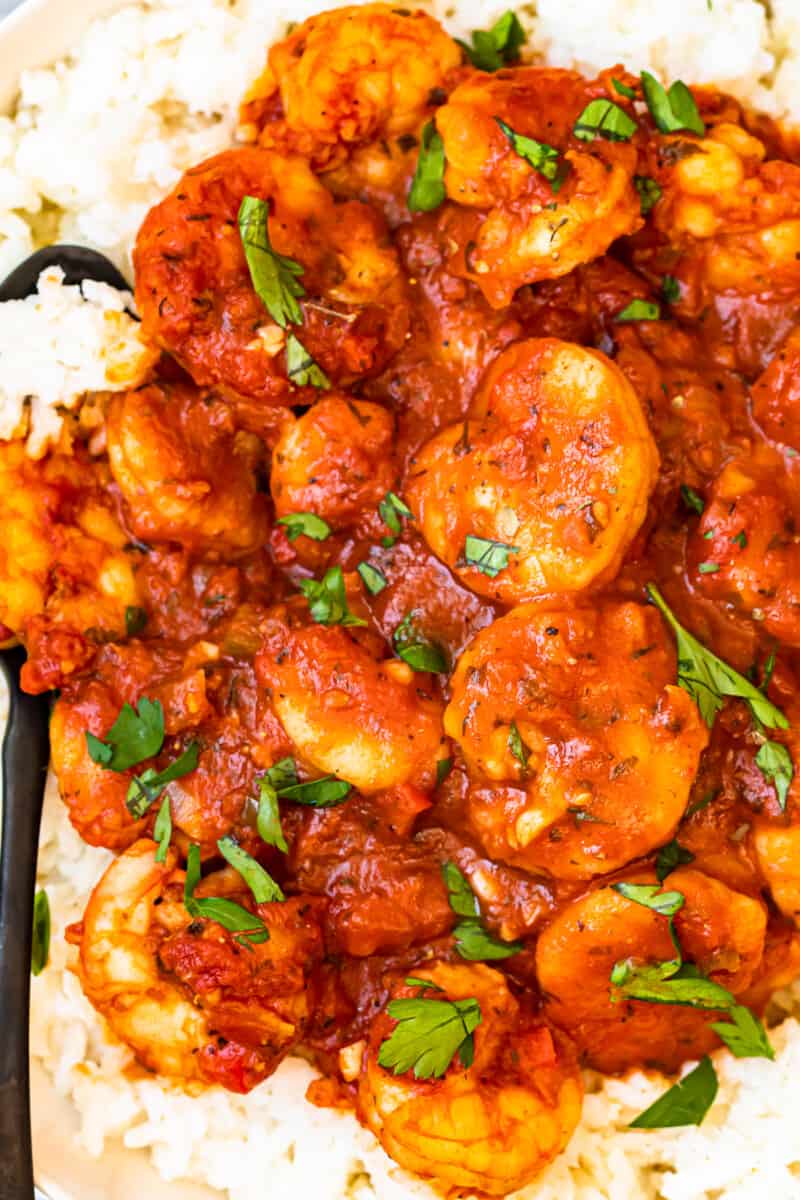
(24, 764)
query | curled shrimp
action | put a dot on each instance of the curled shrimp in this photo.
(190, 1001)
(196, 295)
(517, 225)
(185, 474)
(349, 76)
(577, 765)
(720, 930)
(558, 466)
(493, 1126)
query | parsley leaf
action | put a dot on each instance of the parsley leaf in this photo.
(658, 984)
(671, 110)
(282, 774)
(473, 941)
(305, 523)
(744, 1035)
(543, 158)
(671, 856)
(650, 895)
(639, 310)
(420, 654)
(517, 746)
(137, 734)
(686, 1102)
(604, 118)
(274, 277)
(261, 884)
(372, 577)
(135, 620)
(227, 913)
(622, 89)
(301, 368)
(146, 788)
(649, 193)
(268, 821)
(670, 289)
(495, 48)
(40, 946)
(775, 763)
(708, 680)
(428, 1035)
(427, 187)
(443, 768)
(326, 792)
(162, 830)
(489, 557)
(327, 601)
(391, 509)
(692, 500)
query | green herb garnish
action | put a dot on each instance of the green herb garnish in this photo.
(686, 1102)
(306, 524)
(264, 888)
(639, 310)
(622, 89)
(40, 945)
(135, 620)
(517, 746)
(443, 768)
(671, 110)
(670, 289)
(420, 654)
(301, 368)
(327, 600)
(146, 788)
(543, 158)
(326, 792)
(427, 187)
(473, 941)
(649, 193)
(372, 577)
(497, 47)
(487, 556)
(391, 509)
(268, 821)
(137, 734)
(604, 118)
(744, 1035)
(692, 500)
(671, 856)
(227, 913)
(428, 1035)
(274, 277)
(162, 830)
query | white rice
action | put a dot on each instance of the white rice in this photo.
(149, 92)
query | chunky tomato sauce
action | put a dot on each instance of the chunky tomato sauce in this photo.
(396, 562)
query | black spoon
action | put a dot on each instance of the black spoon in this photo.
(26, 753)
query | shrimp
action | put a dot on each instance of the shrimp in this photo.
(582, 752)
(557, 464)
(188, 1000)
(493, 1126)
(196, 296)
(744, 552)
(63, 558)
(720, 930)
(185, 474)
(516, 226)
(775, 395)
(335, 461)
(376, 724)
(353, 75)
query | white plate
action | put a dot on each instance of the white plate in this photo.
(33, 36)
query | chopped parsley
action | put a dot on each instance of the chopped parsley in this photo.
(146, 788)
(372, 577)
(428, 1035)
(391, 509)
(327, 600)
(517, 746)
(685, 1103)
(162, 830)
(709, 568)
(301, 368)
(670, 289)
(264, 888)
(268, 821)
(420, 654)
(326, 792)
(274, 277)
(40, 945)
(427, 187)
(487, 556)
(649, 193)
(473, 940)
(775, 763)
(604, 118)
(135, 620)
(306, 524)
(639, 310)
(227, 913)
(671, 856)
(740, 539)
(497, 47)
(744, 1034)
(693, 501)
(443, 768)
(673, 109)
(137, 734)
(543, 158)
(622, 89)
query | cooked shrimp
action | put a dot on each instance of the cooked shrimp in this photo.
(530, 228)
(197, 299)
(492, 1127)
(557, 465)
(63, 550)
(374, 723)
(734, 217)
(720, 930)
(775, 395)
(582, 752)
(335, 461)
(184, 472)
(745, 552)
(188, 999)
(353, 75)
